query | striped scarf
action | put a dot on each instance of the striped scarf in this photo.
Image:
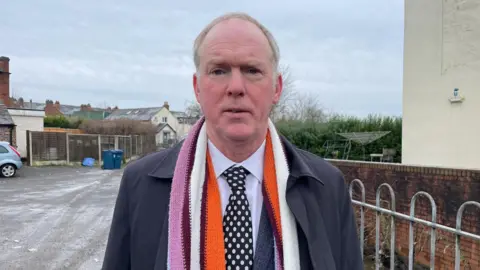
(195, 236)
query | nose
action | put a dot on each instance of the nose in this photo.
(236, 84)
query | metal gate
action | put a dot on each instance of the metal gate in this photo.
(457, 231)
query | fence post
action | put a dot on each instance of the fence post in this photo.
(378, 224)
(362, 214)
(99, 150)
(131, 146)
(459, 228)
(432, 227)
(30, 152)
(68, 147)
(116, 142)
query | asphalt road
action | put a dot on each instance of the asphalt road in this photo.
(56, 217)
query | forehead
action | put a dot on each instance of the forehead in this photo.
(235, 40)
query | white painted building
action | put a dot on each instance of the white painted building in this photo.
(26, 119)
(170, 125)
(441, 125)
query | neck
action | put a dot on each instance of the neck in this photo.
(237, 151)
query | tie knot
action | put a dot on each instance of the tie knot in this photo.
(236, 177)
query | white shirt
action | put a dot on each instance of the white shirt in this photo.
(253, 184)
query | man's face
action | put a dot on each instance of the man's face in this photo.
(236, 85)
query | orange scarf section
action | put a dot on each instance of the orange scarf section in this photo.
(214, 248)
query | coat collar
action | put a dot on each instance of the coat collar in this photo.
(296, 160)
(166, 166)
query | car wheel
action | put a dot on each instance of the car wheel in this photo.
(8, 170)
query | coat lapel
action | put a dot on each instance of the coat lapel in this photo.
(303, 201)
(164, 172)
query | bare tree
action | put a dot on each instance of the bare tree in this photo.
(193, 109)
(102, 105)
(118, 127)
(284, 106)
(307, 109)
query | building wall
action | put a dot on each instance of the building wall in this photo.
(450, 188)
(158, 118)
(442, 52)
(26, 120)
(180, 129)
(183, 129)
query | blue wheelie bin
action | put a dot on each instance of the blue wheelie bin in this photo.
(108, 160)
(118, 157)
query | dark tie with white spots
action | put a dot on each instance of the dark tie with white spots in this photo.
(237, 222)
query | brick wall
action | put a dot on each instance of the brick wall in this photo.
(4, 80)
(5, 135)
(448, 187)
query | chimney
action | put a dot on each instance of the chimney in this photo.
(86, 108)
(165, 104)
(5, 80)
(52, 108)
(20, 102)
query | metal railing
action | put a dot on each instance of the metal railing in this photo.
(434, 226)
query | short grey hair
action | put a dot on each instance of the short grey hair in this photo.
(242, 16)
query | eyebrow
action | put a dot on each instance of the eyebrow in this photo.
(218, 61)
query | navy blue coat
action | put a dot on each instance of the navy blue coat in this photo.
(316, 194)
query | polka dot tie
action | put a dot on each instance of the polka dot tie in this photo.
(237, 222)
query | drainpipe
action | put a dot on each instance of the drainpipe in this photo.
(11, 135)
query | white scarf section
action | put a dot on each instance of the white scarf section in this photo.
(197, 179)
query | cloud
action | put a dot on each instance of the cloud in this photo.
(139, 53)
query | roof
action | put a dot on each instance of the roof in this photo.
(5, 118)
(141, 114)
(179, 114)
(52, 110)
(161, 126)
(64, 109)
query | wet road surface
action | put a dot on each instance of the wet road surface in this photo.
(56, 217)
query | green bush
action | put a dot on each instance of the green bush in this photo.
(312, 136)
(61, 121)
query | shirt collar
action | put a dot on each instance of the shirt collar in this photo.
(254, 163)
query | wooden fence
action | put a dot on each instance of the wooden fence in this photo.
(61, 147)
(63, 130)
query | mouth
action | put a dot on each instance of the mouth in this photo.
(236, 111)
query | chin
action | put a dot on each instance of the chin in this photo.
(239, 132)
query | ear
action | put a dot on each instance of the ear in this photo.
(196, 88)
(278, 88)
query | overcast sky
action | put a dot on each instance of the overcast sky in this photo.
(138, 53)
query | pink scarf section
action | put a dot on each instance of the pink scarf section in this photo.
(178, 225)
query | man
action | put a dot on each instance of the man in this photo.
(234, 194)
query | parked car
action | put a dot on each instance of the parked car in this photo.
(10, 160)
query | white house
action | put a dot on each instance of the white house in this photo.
(171, 126)
(26, 119)
(441, 87)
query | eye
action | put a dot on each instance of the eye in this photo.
(217, 71)
(252, 71)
